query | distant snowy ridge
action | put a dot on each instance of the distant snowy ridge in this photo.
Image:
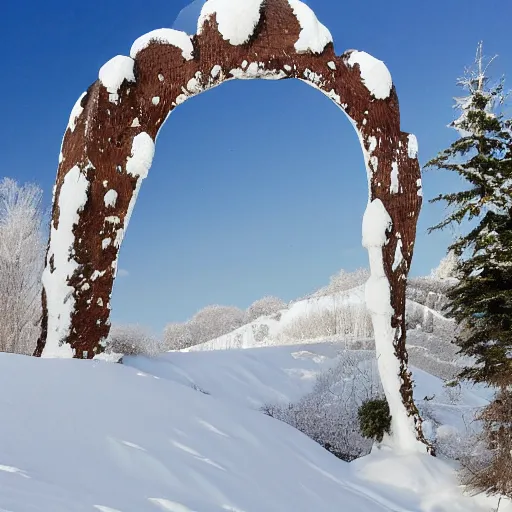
(268, 330)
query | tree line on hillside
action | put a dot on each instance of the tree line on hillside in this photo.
(476, 275)
(214, 321)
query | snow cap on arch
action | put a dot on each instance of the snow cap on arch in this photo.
(237, 21)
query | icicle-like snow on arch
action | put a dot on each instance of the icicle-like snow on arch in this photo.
(109, 144)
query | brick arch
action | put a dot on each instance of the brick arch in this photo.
(108, 148)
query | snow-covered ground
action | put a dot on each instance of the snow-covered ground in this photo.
(252, 377)
(145, 436)
(282, 375)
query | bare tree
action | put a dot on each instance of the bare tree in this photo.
(214, 321)
(207, 324)
(178, 336)
(133, 340)
(343, 281)
(265, 307)
(21, 264)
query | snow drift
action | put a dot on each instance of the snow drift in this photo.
(89, 435)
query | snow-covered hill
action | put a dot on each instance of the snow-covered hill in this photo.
(271, 330)
(429, 345)
(145, 436)
(282, 375)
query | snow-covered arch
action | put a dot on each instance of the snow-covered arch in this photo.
(109, 144)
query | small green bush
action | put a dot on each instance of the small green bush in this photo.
(374, 419)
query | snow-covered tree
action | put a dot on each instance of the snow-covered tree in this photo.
(481, 155)
(265, 307)
(178, 336)
(21, 265)
(447, 268)
(214, 321)
(481, 301)
(132, 340)
(207, 324)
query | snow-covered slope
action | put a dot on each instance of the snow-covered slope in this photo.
(429, 349)
(264, 376)
(89, 435)
(251, 378)
(270, 330)
(258, 376)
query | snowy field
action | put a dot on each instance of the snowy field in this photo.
(145, 436)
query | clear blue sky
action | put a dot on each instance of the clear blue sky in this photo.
(257, 187)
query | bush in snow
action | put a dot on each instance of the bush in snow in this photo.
(453, 391)
(21, 265)
(463, 444)
(265, 307)
(415, 316)
(178, 336)
(493, 471)
(374, 418)
(328, 415)
(132, 340)
(260, 332)
(215, 321)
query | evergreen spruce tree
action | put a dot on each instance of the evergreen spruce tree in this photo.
(481, 301)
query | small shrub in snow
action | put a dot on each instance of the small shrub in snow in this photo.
(214, 321)
(374, 419)
(453, 391)
(464, 447)
(491, 472)
(265, 307)
(414, 316)
(260, 332)
(328, 415)
(277, 316)
(132, 340)
(178, 336)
